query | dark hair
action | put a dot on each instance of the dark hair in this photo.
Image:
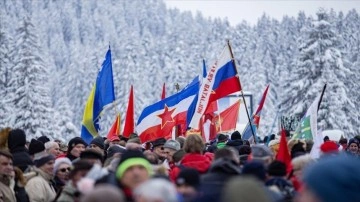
(6, 154)
(79, 166)
(223, 153)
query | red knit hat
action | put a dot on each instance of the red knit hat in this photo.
(329, 147)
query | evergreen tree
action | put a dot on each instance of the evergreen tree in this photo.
(320, 61)
(33, 112)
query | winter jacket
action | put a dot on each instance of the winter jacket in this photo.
(6, 194)
(68, 194)
(235, 143)
(40, 188)
(193, 160)
(212, 182)
(20, 193)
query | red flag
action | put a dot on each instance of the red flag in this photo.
(129, 126)
(283, 155)
(115, 129)
(227, 119)
(163, 92)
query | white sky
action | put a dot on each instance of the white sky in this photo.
(239, 10)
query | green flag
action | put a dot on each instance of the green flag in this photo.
(308, 124)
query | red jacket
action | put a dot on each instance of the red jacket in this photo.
(199, 162)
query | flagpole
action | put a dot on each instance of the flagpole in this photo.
(321, 97)
(242, 93)
(177, 87)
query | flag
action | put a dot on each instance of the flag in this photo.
(226, 120)
(315, 149)
(157, 120)
(308, 124)
(101, 94)
(255, 120)
(115, 128)
(221, 80)
(163, 92)
(283, 154)
(129, 125)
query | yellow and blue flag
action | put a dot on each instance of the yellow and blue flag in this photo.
(101, 94)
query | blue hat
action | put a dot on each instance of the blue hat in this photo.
(335, 178)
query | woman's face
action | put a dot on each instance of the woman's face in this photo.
(353, 148)
(63, 172)
(55, 150)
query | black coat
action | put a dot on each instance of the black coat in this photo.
(214, 181)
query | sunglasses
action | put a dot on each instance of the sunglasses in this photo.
(63, 170)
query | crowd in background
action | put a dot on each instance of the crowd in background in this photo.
(184, 169)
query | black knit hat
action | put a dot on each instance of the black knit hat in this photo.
(98, 141)
(188, 176)
(43, 158)
(36, 146)
(158, 142)
(43, 139)
(16, 139)
(277, 169)
(235, 135)
(222, 138)
(75, 141)
(114, 149)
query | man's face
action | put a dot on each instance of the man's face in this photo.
(169, 154)
(160, 152)
(48, 167)
(6, 165)
(77, 149)
(114, 142)
(134, 176)
(97, 148)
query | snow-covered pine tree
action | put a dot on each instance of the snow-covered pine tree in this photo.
(6, 63)
(33, 112)
(320, 62)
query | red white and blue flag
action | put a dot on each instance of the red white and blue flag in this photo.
(221, 80)
(247, 134)
(157, 120)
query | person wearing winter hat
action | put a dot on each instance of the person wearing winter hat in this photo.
(332, 179)
(71, 193)
(44, 139)
(276, 180)
(170, 147)
(188, 183)
(353, 146)
(35, 146)
(221, 141)
(93, 156)
(133, 169)
(158, 149)
(39, 187)
(53, 148)
(62, 167)
(235, 135)
(329, 147)
(16, 144)
(75, 147)
(98, 144)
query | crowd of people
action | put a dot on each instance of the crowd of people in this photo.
(228, 169)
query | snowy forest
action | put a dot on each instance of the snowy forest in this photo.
(51, 51)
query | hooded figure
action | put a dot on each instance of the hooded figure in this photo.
(16, 144)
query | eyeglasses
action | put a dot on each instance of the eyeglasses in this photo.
(63, 170)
